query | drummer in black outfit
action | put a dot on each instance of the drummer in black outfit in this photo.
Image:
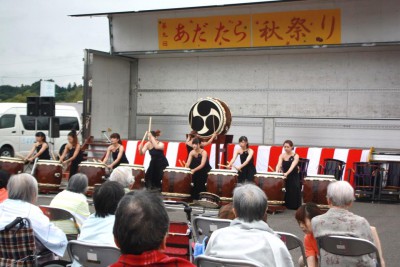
(246, 170)
(199, 165)
(72, 153)
(191, 136)
(117, 151)
(287, 164)
(41, 147)
(158, 162)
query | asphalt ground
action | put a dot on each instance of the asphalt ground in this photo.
(384, 216)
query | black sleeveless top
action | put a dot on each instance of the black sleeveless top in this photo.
(156, 153)
(78, 158)
(123, 159)
(243, 158)
(196, 161)
(45, 154)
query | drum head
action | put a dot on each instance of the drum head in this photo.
(208, 116)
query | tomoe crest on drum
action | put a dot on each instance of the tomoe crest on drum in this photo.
(208, 116)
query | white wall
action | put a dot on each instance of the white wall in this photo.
(337, 84)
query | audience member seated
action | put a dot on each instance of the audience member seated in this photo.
(4, 177)
(22, 196)
(304, 215)
(74, 200)
(123, 175)
(249, 237)
(140, 231)
(98, 228)
(338, 220)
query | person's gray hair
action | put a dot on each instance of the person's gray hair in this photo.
(250, 202)
(122, 175)
(78, 183)
(23, 187)
(340, 194)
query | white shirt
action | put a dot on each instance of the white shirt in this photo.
(254, 241)
(97, 230)
(46, 232)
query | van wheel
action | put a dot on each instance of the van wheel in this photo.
(6, 151)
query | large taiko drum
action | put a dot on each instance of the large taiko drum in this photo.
(48, 173)
(222, 183)
(210, 115)
(273, 184)
(139, 174)
(315, 188)
(95, 172)
(11, 165)
(177, 184)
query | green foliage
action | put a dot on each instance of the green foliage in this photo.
(71, 93)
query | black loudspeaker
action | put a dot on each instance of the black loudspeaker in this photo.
(32, 103)
(54, 127)
(47, 106)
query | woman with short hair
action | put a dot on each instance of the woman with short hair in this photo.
(98, 228)
(123, 176)
(338, 220)
(73, 199)
(22, 196)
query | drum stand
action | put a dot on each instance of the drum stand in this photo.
(222, 140)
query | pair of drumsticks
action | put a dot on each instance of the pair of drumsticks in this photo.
(227, 166)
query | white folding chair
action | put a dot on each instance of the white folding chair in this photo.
(292, 242)
(63, 219)
(205, 226)
(92, 255)
(206, 261)
(347, 246)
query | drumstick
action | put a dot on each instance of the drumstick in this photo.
(144, 136)
(214, 123)
(149, 124)
(222, 165)
(52, 155)
(270, 168)
(181, 162)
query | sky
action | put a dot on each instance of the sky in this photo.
(38, 40)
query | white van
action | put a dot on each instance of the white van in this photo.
(17, 130)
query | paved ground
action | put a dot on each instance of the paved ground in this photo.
(384, 216)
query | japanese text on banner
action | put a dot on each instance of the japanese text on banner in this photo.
(311, 27)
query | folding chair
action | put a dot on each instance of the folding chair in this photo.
(347, 246)
(206, 261)
(180, 233)
(205, 226)
(292, 242)
(17, 244)
(64, 220)
(92, 255)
